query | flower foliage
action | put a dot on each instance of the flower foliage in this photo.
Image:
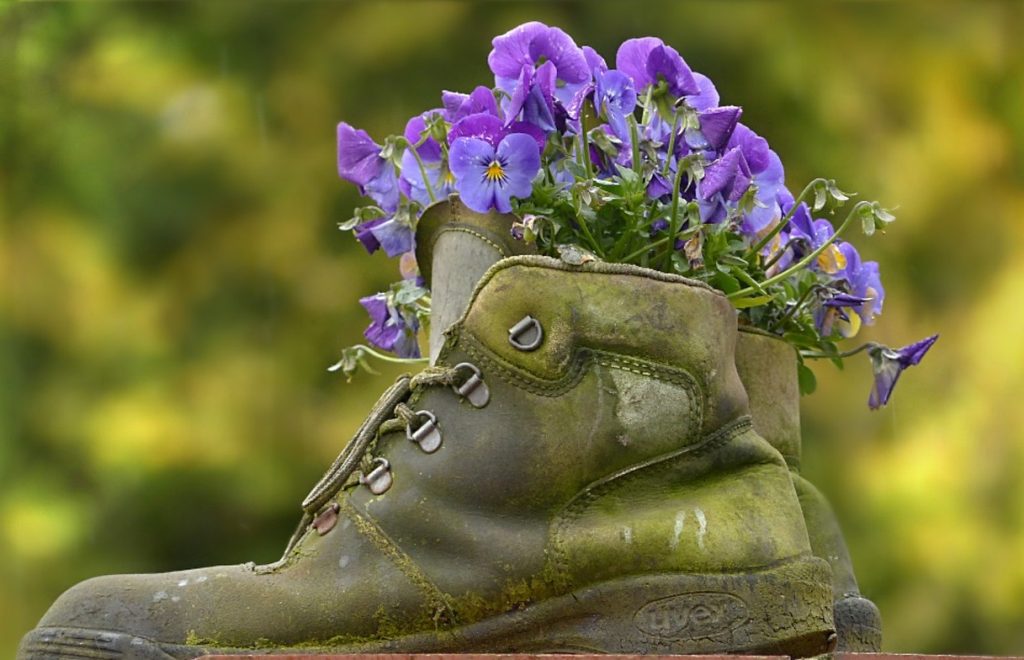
(638, 163)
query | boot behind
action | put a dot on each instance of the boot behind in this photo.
(768, 368)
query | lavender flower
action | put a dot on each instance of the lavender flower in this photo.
(615, 99)
(649, 61)
(412, 182)
(360, 162)
(389, 328)
(487, 177)
(864, 282)
(457, 106)
(526, 46)
(888, 364)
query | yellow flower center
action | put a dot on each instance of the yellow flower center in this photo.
(832, 260)
(495, 172)
(850, 326)
(449, 178)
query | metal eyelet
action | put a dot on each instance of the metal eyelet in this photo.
(428, 434)
(527, 334)
(327, 519)
(474, 389)
(379, 479)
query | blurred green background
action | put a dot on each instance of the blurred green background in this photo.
(174, 285)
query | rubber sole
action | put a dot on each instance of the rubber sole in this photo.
(858, 625)
(785, 609)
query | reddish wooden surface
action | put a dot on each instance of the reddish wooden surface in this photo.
(526, 656)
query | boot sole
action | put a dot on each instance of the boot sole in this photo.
(782, 610)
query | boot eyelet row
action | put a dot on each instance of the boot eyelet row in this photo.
(428, 434)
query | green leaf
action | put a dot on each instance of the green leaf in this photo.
(725, 282)
(751, 301)
(808, 382)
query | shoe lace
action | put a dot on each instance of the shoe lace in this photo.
(390, 413)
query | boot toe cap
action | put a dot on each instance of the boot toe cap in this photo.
(164, 607)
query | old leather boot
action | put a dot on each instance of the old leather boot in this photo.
(767, 367)
(577, 473)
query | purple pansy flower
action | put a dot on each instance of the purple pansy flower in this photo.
(412, 183)
(864, 281)
(389, 329)
(648, 60)
(768, 176)
(887, 365)
(487, 176)
(364, 234)
(615, 99)
(360, 162)
(726, 178)
(716, 127)
(706, 96)
(808, 235)
(393, 236)
(526, 46)
(594, 60)
(839, 306)
(457, 106)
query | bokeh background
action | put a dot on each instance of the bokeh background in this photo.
(174, 285)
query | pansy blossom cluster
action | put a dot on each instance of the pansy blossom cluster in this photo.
(634, 161)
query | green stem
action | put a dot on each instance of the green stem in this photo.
(796, 306)
(649, 246)
(590, 237)
(843, 355)
(778, 255)
(786, 218)
(806, 260)
(673, 219)
(587, 165)
(390, 358)
(671, 144)
(423, 173)
(634, 137)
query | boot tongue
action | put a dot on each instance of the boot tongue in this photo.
(767, 368)
(454, 248)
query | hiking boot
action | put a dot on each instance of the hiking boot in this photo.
(768, 368)
(577, 472)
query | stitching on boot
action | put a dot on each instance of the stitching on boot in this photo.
(575, 508)
(466, 229)
(441, 609)
(577, 366)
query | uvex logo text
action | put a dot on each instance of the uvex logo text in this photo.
(689, 616)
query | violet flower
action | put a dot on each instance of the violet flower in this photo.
(412, 182)
(364, 234)
(864, 281)
(615, 99)
(726, 178)
(648, 61)
(530, 44)
(487, 176)
(393, 236)
(389, 328)
(888, 364)
(716, 127)
(457, 106)
(768, 175)
(360, 162)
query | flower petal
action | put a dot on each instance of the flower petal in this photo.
(359, 158)
(468, 159)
